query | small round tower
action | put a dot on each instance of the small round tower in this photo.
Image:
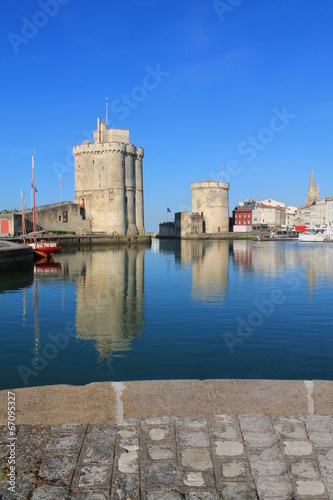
(210, 198)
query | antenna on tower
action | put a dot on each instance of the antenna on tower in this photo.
(106, 112)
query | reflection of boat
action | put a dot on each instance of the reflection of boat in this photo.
(318, 235)
(47, 267)
(44, 247)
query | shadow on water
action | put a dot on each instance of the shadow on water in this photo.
(16, 280)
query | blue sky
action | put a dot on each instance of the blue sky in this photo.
(223, 71)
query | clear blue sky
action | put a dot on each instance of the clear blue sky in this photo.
(226, 69)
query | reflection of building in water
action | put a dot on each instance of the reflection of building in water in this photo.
(210, 266)
(109, 304)
(276, 258)
(262, 257)
(242, 255)
(210, 272)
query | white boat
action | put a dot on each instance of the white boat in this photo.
(317, 235)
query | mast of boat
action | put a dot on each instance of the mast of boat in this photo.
(23, 224)
(33, 193)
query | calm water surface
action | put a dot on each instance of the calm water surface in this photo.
(176, 310)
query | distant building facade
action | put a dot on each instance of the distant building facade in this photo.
(109, 181)
(242, 216)
(269, 213)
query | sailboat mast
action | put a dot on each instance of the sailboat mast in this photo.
(33, 192)
(23, 225)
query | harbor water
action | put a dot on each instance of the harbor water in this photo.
(175, 310)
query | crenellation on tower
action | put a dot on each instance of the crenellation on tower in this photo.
(108, 181)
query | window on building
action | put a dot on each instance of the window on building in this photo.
(126, 199)
(59, 218)
(65, 216)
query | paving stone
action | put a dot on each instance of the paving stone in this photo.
(238, 491)
(311, 488)
(224, 431)
(297, 448)
(23, 485)
(160, 452)
(128, 462)
(202, 495)
(128, 433)
(129, 444)
(69, 444)
(305, 469)
(259, 439)
(3, 451)
(325, 461)
(321, 439)
(225, 419)
(262, 464)
(31, 435)
(159, 433)
(165, 475)
(161, 420)
(229, 448)
(270, 487)
(194, 479)
(289, 429)
(3, 434)
(27, 460)
(126, 487)
(67, 428)
(57, 468)
(94, 475)
(105, 434)
(102, 454)
(89, 495)
(195, 439)
(319, 423)
(163, 495)
(235, 469)
(255, 423)
(196, 423)
(196, 458)
(49, 492)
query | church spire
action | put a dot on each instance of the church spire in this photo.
(313, 193)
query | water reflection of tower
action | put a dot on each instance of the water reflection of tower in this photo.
(210, 268)
(110, 299)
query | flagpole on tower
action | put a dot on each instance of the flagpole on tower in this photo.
(106, 112)
(221, 174)
(61, 186)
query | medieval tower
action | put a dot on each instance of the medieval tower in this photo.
(313, 193)
(210, 198)
(109, 181)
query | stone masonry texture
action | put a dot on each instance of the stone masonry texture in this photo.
(244, 457)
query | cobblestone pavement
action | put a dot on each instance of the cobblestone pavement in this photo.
(242, 458)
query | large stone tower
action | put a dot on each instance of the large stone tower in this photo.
(313, 193)
(210, 198)
(109, 181)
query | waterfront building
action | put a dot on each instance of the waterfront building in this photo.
(242, 216)
(269, 214)
(291, 212)
(109, 181)
(317, 214)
